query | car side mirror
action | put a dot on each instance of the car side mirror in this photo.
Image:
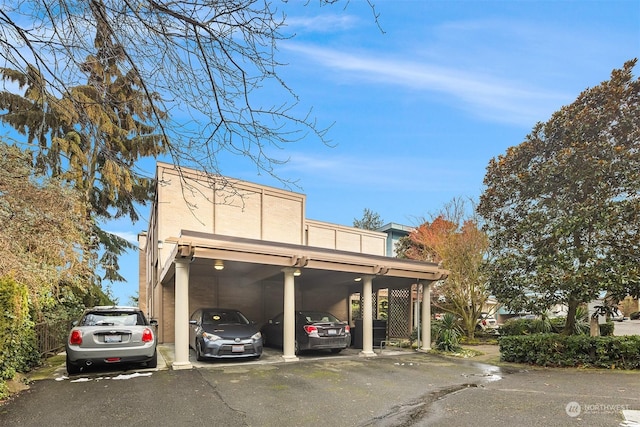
(153, 322)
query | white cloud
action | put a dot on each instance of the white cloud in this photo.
(327, 23)
(483, 95)
(386, 173)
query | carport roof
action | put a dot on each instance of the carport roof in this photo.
(263, 260)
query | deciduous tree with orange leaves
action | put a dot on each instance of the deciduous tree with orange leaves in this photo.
(454, 239)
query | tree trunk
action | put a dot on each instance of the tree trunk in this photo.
(471, 329)
(570, 324)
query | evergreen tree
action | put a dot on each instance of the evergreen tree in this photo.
(91, 135)
(370, 220)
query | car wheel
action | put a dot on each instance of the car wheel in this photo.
(264, 340)
(71, 368)
(336, 350)
(199, 356)
(153, 363)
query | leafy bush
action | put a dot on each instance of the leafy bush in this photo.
(18, 347)
(545, 325)
(557, 324)
(606, 329)
(446, 333)
(575, 350)
(516, 327)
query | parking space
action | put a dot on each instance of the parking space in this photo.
(166, 353)
(273, 356)
(166, 356)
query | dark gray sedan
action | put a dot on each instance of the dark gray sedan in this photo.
(315, 330)
(111, 335)
(220, 333)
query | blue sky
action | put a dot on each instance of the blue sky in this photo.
(419, 110)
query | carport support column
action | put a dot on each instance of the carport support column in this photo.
(367, 318)
(182, 314)
(289, 317)
(426, 318)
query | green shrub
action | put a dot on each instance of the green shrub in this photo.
(516, 327)
(446, 333)
(546, 325)
(557, 324)
(606, 329)
(574, 350)
(18, 347)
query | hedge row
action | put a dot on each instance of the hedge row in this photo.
(536, 326)
(572, 351)
(18, 348)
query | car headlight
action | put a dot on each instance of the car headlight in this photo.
(210, 337)
(256, 336)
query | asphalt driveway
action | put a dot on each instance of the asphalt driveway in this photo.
(394, 389)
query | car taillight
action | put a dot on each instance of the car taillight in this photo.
(75, 338)
(147, 335)
(309, 329)
(347, 329)
(484, 322)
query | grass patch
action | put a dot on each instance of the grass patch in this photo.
(48, 367)
(464, 353)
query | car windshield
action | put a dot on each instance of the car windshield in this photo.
(219, 317)
(317, 316)
(113, 318)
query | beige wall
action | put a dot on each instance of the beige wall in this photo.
(142, 274)
(334, 299)
(342, 238)
(220, 206)
(166, 312)
(194, 202)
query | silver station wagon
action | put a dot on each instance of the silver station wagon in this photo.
(108, 335)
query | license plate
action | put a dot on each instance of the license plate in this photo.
(237, 348)
(332, 332)
(112, 338)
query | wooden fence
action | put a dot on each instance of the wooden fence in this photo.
(52, 336)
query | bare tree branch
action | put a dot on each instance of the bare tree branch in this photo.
(204, 62)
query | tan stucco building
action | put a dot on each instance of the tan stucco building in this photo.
(214, 241)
